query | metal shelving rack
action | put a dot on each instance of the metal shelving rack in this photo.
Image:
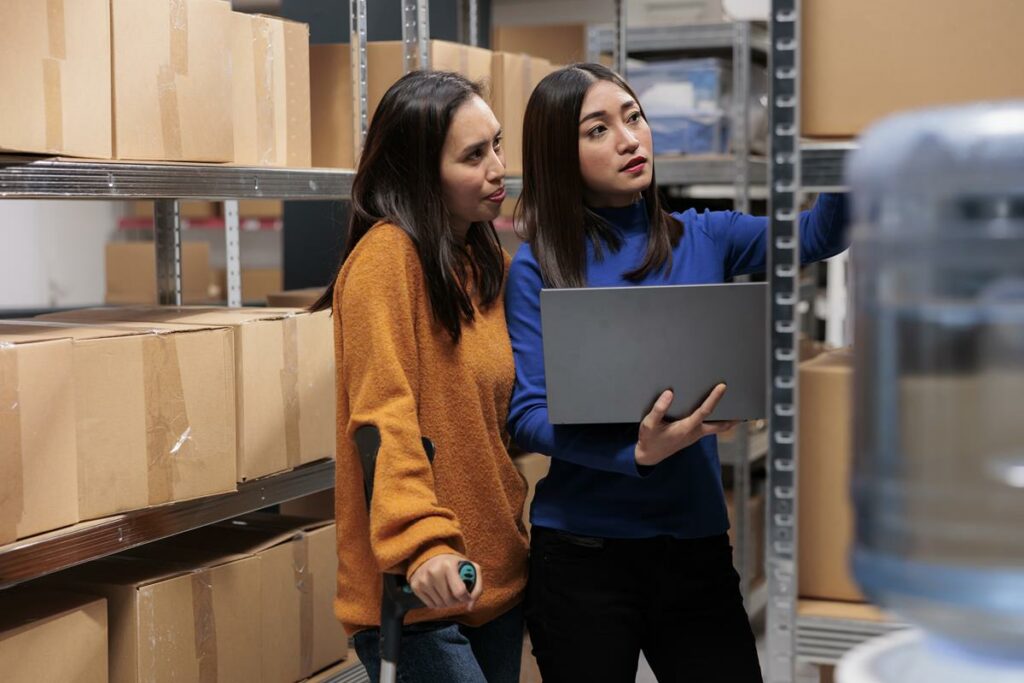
(741, 171)
(795, 167)
(23, 177)
(742, 40)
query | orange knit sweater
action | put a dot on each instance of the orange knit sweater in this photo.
(398, 369)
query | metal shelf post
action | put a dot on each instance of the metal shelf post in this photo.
(619, 51)
(357, 52)
(416, 34)
(742, 57)
(232, 254)
(784, 276)
(167, 235)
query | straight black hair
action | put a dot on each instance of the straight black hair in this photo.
(551, 210)
(398, 180)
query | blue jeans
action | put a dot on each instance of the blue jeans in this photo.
(449, 652)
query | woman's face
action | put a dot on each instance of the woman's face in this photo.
(472, 166)
(615, 146)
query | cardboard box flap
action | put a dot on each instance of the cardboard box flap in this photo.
(173, 554)
(49, 328)
(249, 534)
(838, 360)
(31, 604)
(208, 316)
(122, 570)
(16, 333)
(100, 317)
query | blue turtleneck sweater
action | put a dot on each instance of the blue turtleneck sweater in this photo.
(594, 487)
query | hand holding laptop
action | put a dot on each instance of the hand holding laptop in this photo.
(660, 438)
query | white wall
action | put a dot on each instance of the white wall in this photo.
(51, 252)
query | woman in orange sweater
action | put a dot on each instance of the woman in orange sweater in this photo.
(422, 350)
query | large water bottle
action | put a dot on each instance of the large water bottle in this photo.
(939, 437)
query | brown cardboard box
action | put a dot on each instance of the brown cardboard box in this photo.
(52, 636)
(330, 77)
(529, 672)
(510, 89)
(314, 506)
(154, 422)
(863, 60)
(177, 621)
(826, 514)
(271, 91)
(38, 460)
(295, 298)
(131, 272)
(560, 44)
(257, 283)
(331, 88)
(533, 467)
(197, 210)
(261, 208)
(298, 574)
(172, 80)
(55, 77)
(284, 378)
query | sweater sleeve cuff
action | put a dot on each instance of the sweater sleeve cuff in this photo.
(627, 464)
(432, 551)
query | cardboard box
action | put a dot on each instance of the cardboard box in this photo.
(172, 80)
(261, 208)
(559, 44)
(314, 506)
(154, 419)
(131, 272)
(863, 60)
(330, 77)
(257, 283)
(295, 298)
(284, 378)
(271, 91)
(298, 579)
(52, 636)
(38, 458)
(510, 89)
(177, 621)
(529, 672)
(55, 77)
(826, 512)
(533, 467)
(331, 88)
(194, 210)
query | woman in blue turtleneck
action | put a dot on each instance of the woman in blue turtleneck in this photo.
(629, 550)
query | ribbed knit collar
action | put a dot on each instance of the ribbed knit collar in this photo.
(628, 219)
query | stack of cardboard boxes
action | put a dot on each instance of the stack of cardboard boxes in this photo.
(112, 410)
(170, 80)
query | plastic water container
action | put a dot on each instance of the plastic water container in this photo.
(939, 342)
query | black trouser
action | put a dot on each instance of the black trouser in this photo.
(593, 604)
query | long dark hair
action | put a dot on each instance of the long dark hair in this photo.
(398, 180)
(551, 210)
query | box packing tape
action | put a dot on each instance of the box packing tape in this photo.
(290, 390)
(52, 94)
(12, 501)
(166, 84)
(204, 626)
(168, 430)
(304, 585)
(263, 62)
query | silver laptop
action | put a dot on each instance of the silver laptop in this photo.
(609, 352)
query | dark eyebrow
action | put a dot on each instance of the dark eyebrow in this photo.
(473, 145)
(628, 104)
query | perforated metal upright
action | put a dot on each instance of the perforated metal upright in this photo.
(416, 34)
(784, 279)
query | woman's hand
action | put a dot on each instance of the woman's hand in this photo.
(659, 438)
(437, 583)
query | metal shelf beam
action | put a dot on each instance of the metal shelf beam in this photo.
(706, 170)
(34, 178)
(47, 553)
(824, 640)
(678, 39)
(822, 165)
